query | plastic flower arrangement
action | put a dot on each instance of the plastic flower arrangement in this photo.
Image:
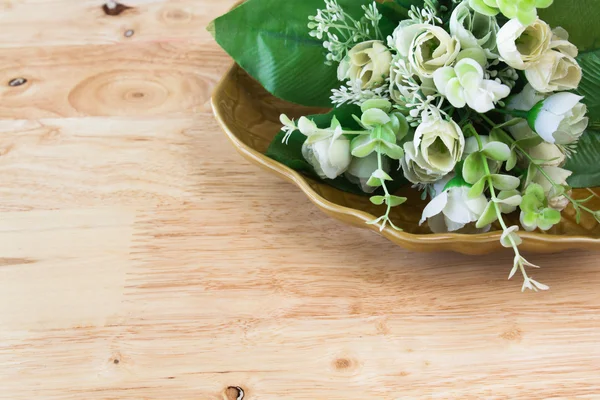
(480, 104)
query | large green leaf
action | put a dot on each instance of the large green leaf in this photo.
(290, 153)
(579, 17)
(586, 172)
(270, 40)
(590, 84)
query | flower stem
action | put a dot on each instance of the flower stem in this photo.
(514, 113)
(386, 218)
(494, 200)
(539, 168)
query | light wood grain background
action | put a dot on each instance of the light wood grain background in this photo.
(142, 258)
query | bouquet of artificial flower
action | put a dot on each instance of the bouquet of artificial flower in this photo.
(486, 106)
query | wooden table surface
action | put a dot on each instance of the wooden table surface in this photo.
(142, 258)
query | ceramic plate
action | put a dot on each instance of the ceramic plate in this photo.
(249, 116)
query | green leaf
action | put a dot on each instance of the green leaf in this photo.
(511, 163)
(537, 191)
(529, 220)
(407, 4)
(579, 17)
(477, 189)
(585, 163)
(393, 151)
(377, 200)
(551, 216)
(497, 151)
(473, 169)
(588, 88)
(394, 201)
(489, 216)
(362, 146)
(380, 104)
(527, 143)
(505, 182)
(271, 42)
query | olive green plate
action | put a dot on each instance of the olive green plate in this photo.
(249, 116)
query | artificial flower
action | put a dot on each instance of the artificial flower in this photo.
(327, 150)
(361, 170)
(427, 47)
(452, 209)
(559, 176)
(535, 212)
(436, 148)
(522, 46)
(330, 157)
(561, 118)
(555, 71)
(474, 29)
(432, 48)
(464, 84)
(368, 63)
(560, 42)
(524, 101)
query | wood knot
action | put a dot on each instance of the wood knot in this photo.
(233, 393)
(175, 16)
(342, 364)
(112, 8)
(513, 334)
(17, 82)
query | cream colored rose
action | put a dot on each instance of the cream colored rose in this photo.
(522, 46)
(436, 148)
(432, 48)
(368, 63)
(560, 42)
(554, 72)
(329, 157)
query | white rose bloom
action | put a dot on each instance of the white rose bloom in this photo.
(329, 156)
(559, 176)
(436, 148)
(554, 72)
(431, 49)
(474, 30)
(560, 42)
(404, 35)
(465, 85)
(522, 46)
(561, 118)
(427, 47)
(361, 169)
(368, 63)
(523, 101)
(452, 209)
